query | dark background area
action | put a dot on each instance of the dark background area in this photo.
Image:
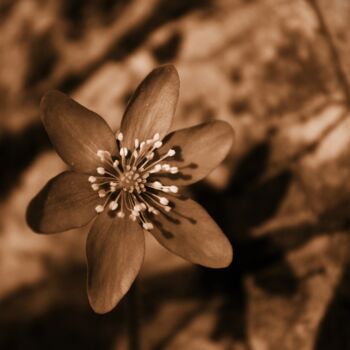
(278, 71)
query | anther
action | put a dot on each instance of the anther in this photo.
(157, 185)
(99, 209)
(132, 217)
(174, 170)
(92, 179)
(156, 168)
(147, 226)
(174, 189)
(163, 200)
(123, 152)
(158, 144)
(171, 153)
(101, 170)
(95, 187)
(156, 137)
(120, 136)
(116, 163)
(120, 214)
(102, 193)
(113, 205)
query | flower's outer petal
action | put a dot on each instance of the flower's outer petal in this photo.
(115, 251)
(199, 150)
(188, 231)
(152, 106)
(76, 132)
(67, 201)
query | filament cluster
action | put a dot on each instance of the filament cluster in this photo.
(128, 181)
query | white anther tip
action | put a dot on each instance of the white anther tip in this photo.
(100, 170)
(101, 193)
(158, 144)
(156, 137)
(120, 214)
(120, 136)
(157, 185)
(92, 179)
(163, 200)
(174, 189)
(171, 153)
(147, 226)
(95, 187)
(174, 170)
(123, 152)
(99, 209)
(113, 205)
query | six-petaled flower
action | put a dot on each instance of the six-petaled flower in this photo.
(130, 183)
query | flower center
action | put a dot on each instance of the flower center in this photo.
(128, 182)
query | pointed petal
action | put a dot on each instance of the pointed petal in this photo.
(115, 251)
(67, 201)
(76, 132)
(152, 106)
(199, 150)
(188, 231)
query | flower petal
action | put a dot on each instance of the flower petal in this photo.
(199, 150)
(152, 106)
(67, 201)
(188, 231)
(76, 132)
(115, 251)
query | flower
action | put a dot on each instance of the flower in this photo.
(130, 183)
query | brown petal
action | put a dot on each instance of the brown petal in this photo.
(76, 132)
(199, 150)
(188, 231)
(115, 251)
(152, 106)
(67, 201)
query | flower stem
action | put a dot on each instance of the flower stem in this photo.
(134, 322)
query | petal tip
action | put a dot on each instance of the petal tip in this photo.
(169, 71)
(100, 306)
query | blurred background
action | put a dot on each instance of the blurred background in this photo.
(278, 71)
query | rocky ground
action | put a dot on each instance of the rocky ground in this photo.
(278, 71)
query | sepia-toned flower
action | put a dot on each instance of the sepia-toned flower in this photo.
(130, 183)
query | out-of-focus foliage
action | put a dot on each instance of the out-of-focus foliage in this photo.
(278, 72)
